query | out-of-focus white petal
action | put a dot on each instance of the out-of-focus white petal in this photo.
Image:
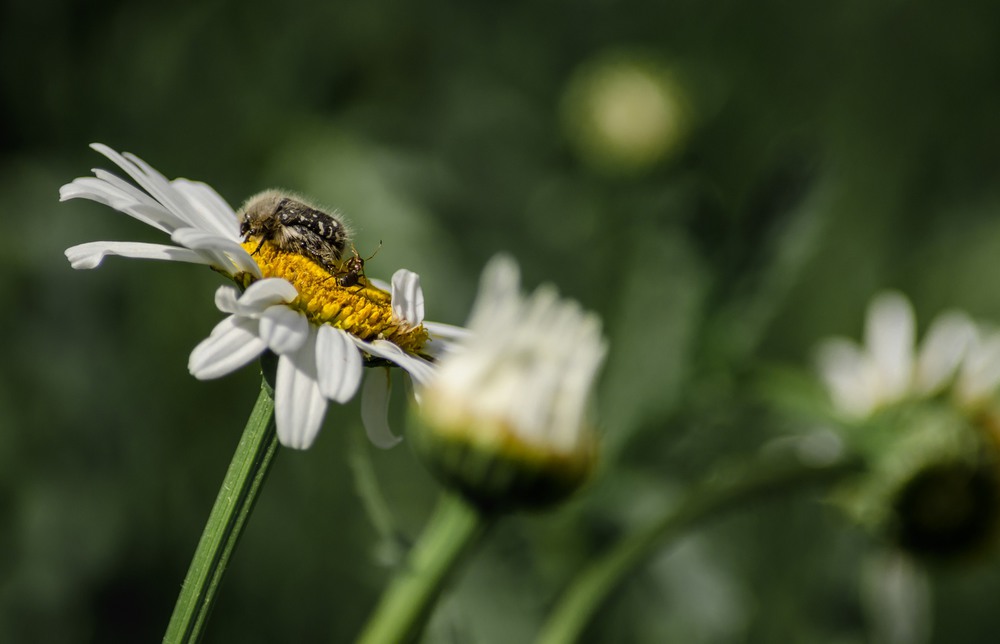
(91, 254)
(375, 409)
(942, 350)
(889, 337)
(498, 293)
(979, 376)
(849, 375)
(283, 329)
(898, 597)
(233, 343)
(407, 297)
(299, 405)
(339, 364)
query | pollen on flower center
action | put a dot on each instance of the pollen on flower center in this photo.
(362, 310)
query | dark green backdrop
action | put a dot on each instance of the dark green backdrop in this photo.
(829, 150)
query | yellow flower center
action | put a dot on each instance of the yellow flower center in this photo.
(363, 310)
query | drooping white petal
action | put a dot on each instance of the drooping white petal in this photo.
(942, 350)
(375, 409)
(224, 252)
(407, 297)
(299, 405)
(420, 369)
(283, 329)
(233, 343)
(111, 191)
(227, 299)
(213, 211)
(446, 331)
(265, 293)
(339, 364)
(889, 337)
(91, 254)
(149, 180)
(849, 375)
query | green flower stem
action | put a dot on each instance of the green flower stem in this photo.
(232, 508)
(591, 588)
(454, 529)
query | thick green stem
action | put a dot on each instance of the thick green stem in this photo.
(406, 604)
(232, 508)
(591, 588)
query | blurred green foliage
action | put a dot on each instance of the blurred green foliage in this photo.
(829, 150)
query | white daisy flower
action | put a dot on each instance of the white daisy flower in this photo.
(923, 419)
(955, 356)
(505, 414)
(322, 332)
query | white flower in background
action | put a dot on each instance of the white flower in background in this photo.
(505, 414)
(955, 356)
(321, 332)
(924, 421)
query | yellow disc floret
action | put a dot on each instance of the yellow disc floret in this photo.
(363, 310)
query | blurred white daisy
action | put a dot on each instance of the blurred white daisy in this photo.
(956, 357)
(322, 333)
(924, 419)
(505, 416)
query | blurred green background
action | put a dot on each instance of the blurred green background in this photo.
(725, 183)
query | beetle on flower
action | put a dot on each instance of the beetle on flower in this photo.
(322, 332)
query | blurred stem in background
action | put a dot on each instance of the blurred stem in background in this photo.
(240, 489)
(718, 494)
(454, 529)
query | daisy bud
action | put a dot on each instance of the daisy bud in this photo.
(504, 417)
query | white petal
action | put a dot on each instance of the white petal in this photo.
(227, 299)
(942, 351)
(283, 329)
(407, 297)
(232, 344)
(299, 405)
(149, 180)
(266, 293)
(91, 254)
(980, 373)
(375, 409)
(111, 191)
(339, 364)
(213, 211)
(849, 375)
(420, 369)
(447, 331)
(498, 289)
(225, 253)
(889, 338)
